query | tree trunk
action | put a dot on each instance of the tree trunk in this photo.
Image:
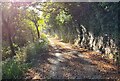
(38, 33)
(11, 44)
(9, 37)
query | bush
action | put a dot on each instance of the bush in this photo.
(21, 55)
(26, 54)
(38, 47)
(44, 37)
(6, 52)
(13, 69)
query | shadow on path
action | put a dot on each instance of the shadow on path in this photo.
(64, 62)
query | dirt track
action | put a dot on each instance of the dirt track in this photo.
(63, 61)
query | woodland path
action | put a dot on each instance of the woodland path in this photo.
(65, 61)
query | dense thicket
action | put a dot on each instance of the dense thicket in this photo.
(21, 38)
(89, 25)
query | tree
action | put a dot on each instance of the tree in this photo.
(6, 20)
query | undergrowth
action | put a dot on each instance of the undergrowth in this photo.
(16, 67)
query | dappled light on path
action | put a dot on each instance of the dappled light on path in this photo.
(65, 61)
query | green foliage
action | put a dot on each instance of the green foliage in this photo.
(13, 69)
(21, 55)
(44, 37)
(63, 17)
(37, 47)
(98, 19)
(6, 52)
